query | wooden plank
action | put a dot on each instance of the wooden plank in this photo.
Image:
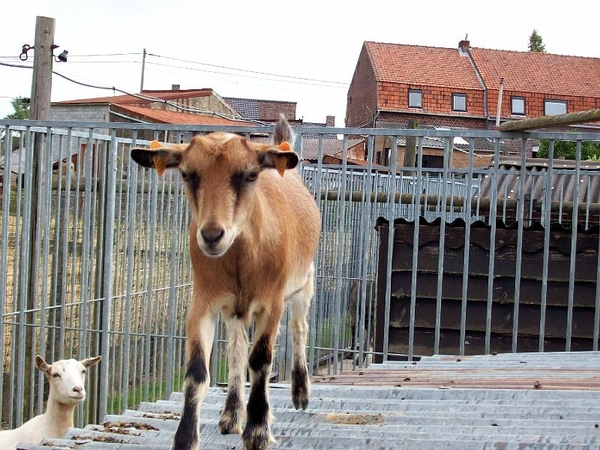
(558, 120)
(475, 343)
(501, 318)
(502, 292)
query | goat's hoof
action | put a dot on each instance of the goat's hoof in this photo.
(257, 437)
(300, 389)
(300, 401)
(230, 423)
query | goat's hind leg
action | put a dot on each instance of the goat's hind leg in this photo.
(237, 349)
(299, 303)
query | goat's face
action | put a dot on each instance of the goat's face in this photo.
(66, 378)
(221, 174)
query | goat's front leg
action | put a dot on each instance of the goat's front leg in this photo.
(237, 349)
(257, 433)
(197, 378)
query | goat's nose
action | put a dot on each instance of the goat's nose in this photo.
(77, 389)
(212, 235)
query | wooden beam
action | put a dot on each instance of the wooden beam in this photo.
(551, 121)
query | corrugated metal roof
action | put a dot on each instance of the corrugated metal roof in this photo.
(561, 413)
(507, 182)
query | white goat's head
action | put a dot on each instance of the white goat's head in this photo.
(66, 378)
(221, 172)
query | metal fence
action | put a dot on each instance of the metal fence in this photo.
(94, 255)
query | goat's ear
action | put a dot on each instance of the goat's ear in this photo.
(281, 160)
(160, 159)
(88, 362)
(41, 364)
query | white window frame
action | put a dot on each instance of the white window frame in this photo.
(415, 98)
(554, 107)
(463, 98)
(517, 105)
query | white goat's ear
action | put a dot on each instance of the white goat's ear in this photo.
(88, 362)
(41, 364)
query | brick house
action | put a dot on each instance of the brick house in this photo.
(460, 87)
(186, 107)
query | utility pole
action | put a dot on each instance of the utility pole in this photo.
(143, 70)
(39, 109)
(41, 85)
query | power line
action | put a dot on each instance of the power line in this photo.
(175, 105)
(295, 80)
(247, 71)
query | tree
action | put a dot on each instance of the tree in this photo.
(567, 149)
(536, 43)
(21, 107)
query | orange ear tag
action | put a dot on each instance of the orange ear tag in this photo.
(155, 144)
(160, 164)
(285, 146)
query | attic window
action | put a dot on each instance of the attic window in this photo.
(517, 106)
(553, 107)
(459, 102)
(415, 98)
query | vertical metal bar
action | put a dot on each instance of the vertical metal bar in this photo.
(492, 257)
(45, 196)
(24, 282)
(442, 213)
(172, 301)
(546, 258)
(86, 244)
(466, 253)
(391, 191)
(107, 273)
(4, 225)
(519, 259)
(573, 256)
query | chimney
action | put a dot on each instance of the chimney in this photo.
(175, 87)
(330, 121)
(464, 45)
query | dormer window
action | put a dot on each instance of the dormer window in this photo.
(459, 102)
(415, 98)
(553, 107)
(517, 106)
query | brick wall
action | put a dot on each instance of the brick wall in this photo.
(361, 102)
(436, 99)
(534, 103)
(79, 113)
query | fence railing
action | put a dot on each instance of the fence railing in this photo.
(94, 255)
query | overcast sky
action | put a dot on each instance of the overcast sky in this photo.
(303, 51)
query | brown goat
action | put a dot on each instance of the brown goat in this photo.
(254, 233)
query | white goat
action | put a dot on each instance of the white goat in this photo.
(254, 233)
(66, 379)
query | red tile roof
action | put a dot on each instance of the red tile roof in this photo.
(543, 73)
(180, 118)
(539, 72)
(418, 65)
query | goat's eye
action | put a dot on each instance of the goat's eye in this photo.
(56, 375)
(184, 176)
(251, 176)
(83, 372)
(238, 180)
